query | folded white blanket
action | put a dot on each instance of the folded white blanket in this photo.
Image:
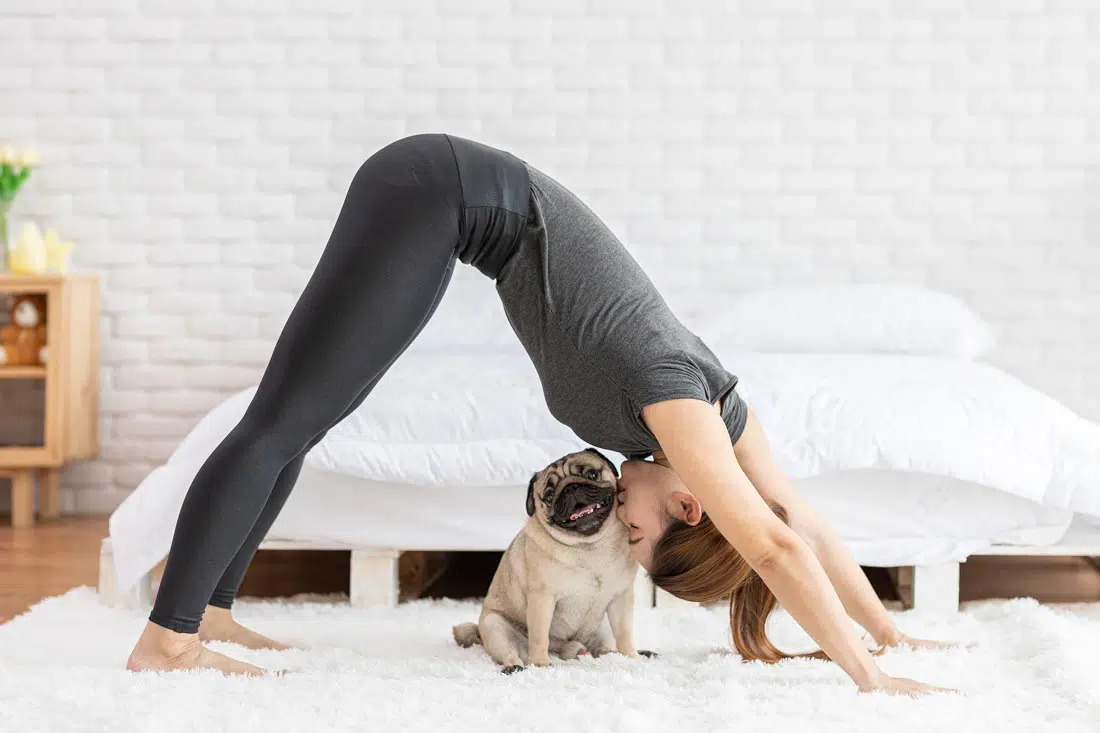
(479, 420)
(485, 424)
(948, 417)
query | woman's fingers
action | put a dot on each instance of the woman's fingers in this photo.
(916, 689)
(927, 643)
(903, 686)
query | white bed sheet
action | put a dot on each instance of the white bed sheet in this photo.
(823, 412)
(888, 519)
(471, 420)
(478, 419)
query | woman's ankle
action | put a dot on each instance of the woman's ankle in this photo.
(217, 614)
(216, 618)
(156, 640)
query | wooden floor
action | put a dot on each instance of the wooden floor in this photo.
(55, 556)
(50, 558)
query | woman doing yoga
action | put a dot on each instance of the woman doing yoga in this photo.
(711, 516)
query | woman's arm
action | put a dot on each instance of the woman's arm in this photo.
(851, 584)
(697, 445)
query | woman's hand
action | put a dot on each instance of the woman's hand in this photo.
(901, 639)
(902, 686)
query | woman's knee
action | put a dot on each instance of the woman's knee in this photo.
(277, 433)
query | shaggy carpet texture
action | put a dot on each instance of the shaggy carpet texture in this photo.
(1025, 667)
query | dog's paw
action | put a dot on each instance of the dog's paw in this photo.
(648, 654)
(512, 669)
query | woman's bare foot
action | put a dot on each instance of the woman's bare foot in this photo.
(161, 650)
(218, 624)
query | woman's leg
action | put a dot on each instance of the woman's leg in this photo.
(217, 622)
(383, 270)
(222, 627)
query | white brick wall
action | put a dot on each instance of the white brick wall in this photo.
(198, 152)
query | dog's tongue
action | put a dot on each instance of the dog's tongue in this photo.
(581, 512)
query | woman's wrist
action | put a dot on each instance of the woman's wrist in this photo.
(868, 677)
(887, 636)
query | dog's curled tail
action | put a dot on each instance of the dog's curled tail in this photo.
(466, 635)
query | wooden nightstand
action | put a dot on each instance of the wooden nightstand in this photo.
(71, 375)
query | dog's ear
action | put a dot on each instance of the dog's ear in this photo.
(614, 470)
(531, 495)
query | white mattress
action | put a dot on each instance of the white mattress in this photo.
(478, 419)
(457, 424)
(887, 519)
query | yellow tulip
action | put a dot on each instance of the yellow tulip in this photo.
(29, 159)
(7, 154)
(57, 252)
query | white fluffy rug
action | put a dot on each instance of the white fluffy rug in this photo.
(1030, 668)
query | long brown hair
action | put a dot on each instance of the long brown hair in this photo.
(696, 563)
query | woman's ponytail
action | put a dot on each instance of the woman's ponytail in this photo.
(696, 563)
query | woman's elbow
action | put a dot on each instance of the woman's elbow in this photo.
(776, 549)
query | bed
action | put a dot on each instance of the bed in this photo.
(875, 399)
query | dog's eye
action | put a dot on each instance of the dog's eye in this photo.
(548, 496)
(592, 474)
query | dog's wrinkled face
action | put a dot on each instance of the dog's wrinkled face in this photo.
(574, 494)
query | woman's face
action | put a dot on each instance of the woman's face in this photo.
(650, 497)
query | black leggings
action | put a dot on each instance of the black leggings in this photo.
(412, 209)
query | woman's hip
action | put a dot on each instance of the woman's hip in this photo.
(482, 191)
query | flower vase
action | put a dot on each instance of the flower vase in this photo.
(5, 211)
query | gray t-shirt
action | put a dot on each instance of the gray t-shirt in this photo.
(602, 339)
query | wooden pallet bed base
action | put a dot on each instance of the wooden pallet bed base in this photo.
(372, 581)
(932, 588)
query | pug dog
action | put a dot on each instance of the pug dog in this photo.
(566, 582)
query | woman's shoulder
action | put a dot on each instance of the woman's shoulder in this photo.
(676, 373)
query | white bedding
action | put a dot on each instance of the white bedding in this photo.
(466, 421)
(478, 419)
(887, 518)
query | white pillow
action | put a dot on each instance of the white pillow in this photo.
(896, 319)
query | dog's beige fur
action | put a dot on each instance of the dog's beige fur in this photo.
(557, 590)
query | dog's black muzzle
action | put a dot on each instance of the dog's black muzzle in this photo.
(582, 507)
